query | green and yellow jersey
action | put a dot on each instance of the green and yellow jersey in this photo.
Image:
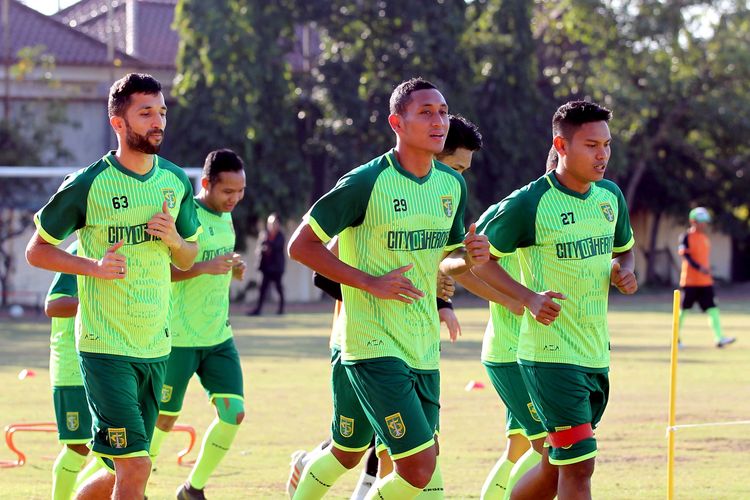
(500, 342)
(106, 203)
(63, 358)
(387, 218)
(565, 242)
(200, 305)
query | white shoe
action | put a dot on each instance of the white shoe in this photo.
(363, 486)
(725, 341)
(297, 465)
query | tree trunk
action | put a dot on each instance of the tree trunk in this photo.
(651, 274)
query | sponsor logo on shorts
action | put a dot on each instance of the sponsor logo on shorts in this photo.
(169, 197)
(346, 426)
(71, 420)
(533, 412)
(166, 393)
(447, 202)
(609, 214)
(118, 438)
(396, 426)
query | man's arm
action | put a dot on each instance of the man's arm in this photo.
(162, 225)
(476, 250)
(40, 253)
(622, 275)
(61, 307)
(482, 290)
(306, 248)
(221, 264)
(540, 305)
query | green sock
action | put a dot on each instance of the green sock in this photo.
(392, 487)
(524, 464)
(216, 443)
(88, 471)
(64, 473)
(319, 475)
(434, 488)
(497, 480)
(156, 441)
(680, 320)
(713, 320)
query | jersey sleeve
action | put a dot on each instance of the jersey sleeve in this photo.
(187, 222)
(458, 231)
(508, 225)
(684, 246)
(624, 240)
(344, 205)
(65, 212)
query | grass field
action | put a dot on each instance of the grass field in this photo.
(288, 407)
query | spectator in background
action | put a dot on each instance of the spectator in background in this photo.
(272, 251)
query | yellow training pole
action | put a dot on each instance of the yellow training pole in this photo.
(672, 392)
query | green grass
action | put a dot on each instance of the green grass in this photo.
(285, 362)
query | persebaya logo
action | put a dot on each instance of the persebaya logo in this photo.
(169, 197)
(166, 393)
(71, 420)
(609, 214)
(564, 428)
(533, 412)
(346, 426)
(447, 202)
(396, 426)
(118, 438)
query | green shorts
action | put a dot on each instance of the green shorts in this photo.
(218, 368)
(566, 396)
(520, 415)
(350, 429)
(72, 414)
(123, 396)
(402, 404)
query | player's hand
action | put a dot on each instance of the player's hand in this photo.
(623, 279)
(448, 317)
(221, 264)
(394, 286)
(543, 308)
(446, 286)
(113, 266)
(477, 247)
(239, 268)
(163, 227)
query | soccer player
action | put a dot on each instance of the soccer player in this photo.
(695, 277)
(395, 216)
(524, 430)
(134, 214)
(462, 141)
(202, 339)
(71, 410)
(572, 231)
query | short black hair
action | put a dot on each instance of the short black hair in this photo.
(122, 89)
(462, 134)
(221, 160)
(573, 114)
(401, 95)
(551, 160)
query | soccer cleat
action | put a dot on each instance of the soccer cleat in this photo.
(725, 341)
(187, 492)
(297, 465)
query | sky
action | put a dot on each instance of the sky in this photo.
(48, 6)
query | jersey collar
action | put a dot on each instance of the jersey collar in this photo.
(205, 207)
(554, 182)
(111, 160)
(393, 162)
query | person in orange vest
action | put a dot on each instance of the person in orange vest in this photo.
(696, 281)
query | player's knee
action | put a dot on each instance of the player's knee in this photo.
(349, 459)
(166, 422)
(578, 471)
(136, 468)
(230, 410)
(418, 469)
(81, 449)
(568, 437)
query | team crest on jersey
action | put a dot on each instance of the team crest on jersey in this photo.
(532, 412)
(166, 393)
(609, 214)
(447, 202)
(396, 426)
(71, 420)
(118, 438)
(169, 197)
(346, 426)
